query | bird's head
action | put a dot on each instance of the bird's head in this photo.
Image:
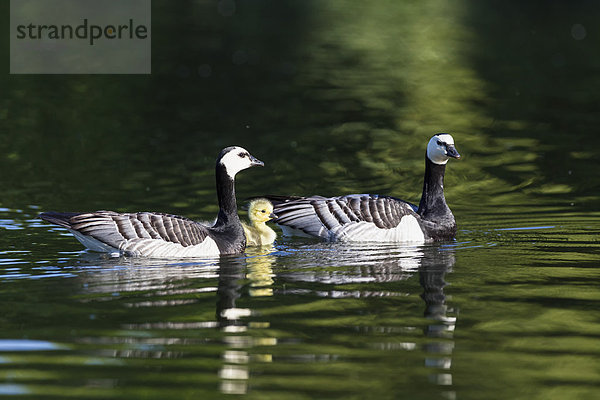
(441, 148)
(236, 158)
(260, 210)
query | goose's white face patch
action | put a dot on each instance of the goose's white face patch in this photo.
(436, 149)
(236, 160)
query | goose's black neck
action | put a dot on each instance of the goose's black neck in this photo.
(433, 205)
(226, 196)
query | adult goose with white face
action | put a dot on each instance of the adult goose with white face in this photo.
(376, 218)
(150, 234)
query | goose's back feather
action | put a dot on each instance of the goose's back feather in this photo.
(357, 217)
(165, 235)
(143, 233)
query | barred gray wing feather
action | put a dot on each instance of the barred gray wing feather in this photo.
(350, 215)
(301, 215)
(115, 229)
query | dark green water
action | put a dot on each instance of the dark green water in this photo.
(335, 97)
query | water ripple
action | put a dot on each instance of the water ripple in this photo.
(10, 345)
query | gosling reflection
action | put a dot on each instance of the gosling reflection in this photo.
(260, 270)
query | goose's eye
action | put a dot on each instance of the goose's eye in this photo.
(440, 143)
(242, 154)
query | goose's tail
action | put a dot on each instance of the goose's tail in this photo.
(58, 218)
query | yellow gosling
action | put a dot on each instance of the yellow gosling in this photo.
(257, 232)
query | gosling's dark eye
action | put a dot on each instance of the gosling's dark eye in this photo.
(440, 143)
(263, 211)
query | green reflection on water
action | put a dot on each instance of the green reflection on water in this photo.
(356, 99)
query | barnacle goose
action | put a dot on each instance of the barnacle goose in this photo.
(257, 232)
(163, 235)
(375, 218)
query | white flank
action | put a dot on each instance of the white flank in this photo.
(161, 249)
(151, 247)
(408, 230)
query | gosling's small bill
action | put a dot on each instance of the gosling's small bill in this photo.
(258, 233)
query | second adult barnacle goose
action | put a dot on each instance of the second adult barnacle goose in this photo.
(163, 235)
(375, 218)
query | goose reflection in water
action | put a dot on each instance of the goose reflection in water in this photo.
(336, 265)
(258, 269)
(181, 293)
